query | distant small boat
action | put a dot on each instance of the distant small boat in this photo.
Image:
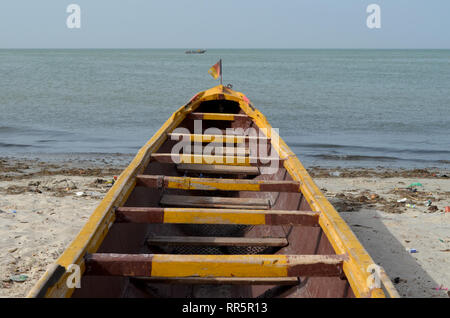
(195, 51)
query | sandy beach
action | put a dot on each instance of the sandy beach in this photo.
(43, 205)
(42, 208)
(388, 229)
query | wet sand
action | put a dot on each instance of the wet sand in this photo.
(43, 205)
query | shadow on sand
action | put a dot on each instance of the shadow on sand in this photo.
(388, 252)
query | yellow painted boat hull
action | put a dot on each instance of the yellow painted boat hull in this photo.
(287, 231)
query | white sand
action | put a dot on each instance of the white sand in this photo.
(39, 231)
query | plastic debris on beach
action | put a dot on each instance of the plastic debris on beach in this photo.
(402, 200)
(411, 250)
(95, 195)
(398, 280)
(19, 278)
(415, 184)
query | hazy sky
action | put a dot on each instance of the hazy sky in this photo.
(224, 24)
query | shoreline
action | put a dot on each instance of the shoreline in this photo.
(43, 205)
(106, 163)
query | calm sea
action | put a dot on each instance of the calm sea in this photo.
(333, 107)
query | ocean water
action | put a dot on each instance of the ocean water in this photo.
(362, 108)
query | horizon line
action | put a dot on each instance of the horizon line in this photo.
(232, 48)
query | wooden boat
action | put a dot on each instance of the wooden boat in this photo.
(195, 51)
(213, 224)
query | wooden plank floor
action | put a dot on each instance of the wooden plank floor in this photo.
(213, 202)
(217, 241)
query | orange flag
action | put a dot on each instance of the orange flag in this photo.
(216, 69)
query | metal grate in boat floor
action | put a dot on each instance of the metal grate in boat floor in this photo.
(212, 250)
(217, 230)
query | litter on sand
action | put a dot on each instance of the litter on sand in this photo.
(19, 278)
(398, 280)
(415, 184)
(8, 212)
(92, 194)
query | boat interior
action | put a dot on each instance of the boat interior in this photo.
(227, 197)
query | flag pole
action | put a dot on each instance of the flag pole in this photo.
(221, 72)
